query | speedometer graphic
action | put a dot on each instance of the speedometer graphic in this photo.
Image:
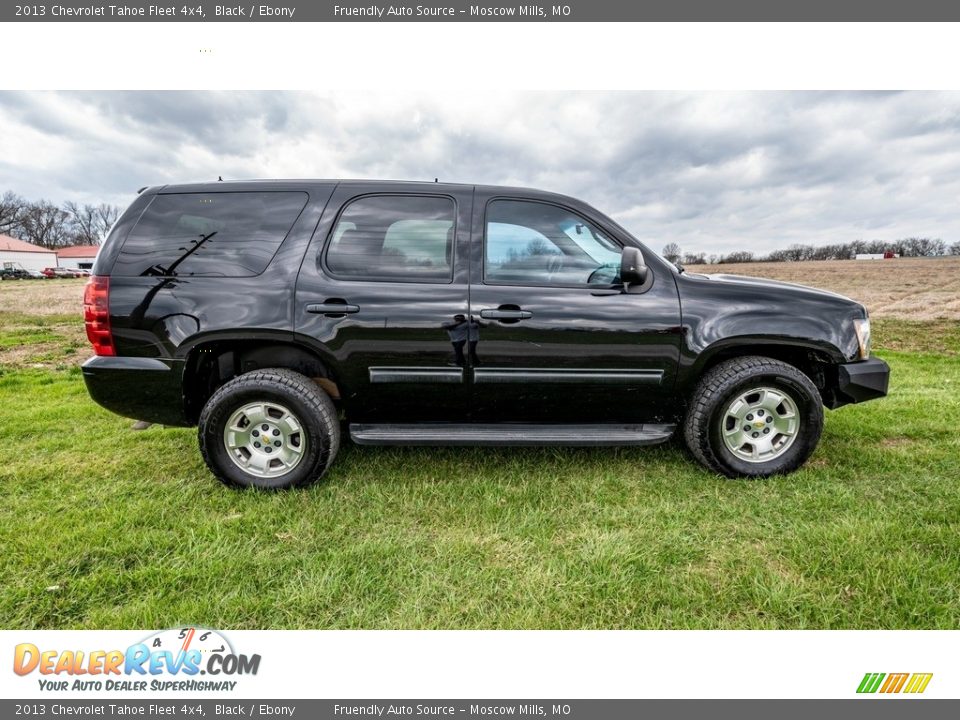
(184, 639)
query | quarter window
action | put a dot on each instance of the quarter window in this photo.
(209, 234)
(530, 243)
(394, 237)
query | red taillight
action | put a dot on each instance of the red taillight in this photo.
(96, 315)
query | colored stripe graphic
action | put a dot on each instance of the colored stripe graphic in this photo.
(918, 683)
(870, 682)
(894, 682)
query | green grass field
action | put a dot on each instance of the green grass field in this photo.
(105, 527)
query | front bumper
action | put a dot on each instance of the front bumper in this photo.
(861, 381)
(141, 388)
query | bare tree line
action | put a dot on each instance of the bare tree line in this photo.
(906, 247)
(51, 226)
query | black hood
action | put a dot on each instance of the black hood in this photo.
(747, 282)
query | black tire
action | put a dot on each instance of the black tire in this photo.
(312, 406)
(720, 386)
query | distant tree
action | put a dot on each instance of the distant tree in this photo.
(741, 256)
(955, 249)
(796, 253)
(540, 247)
(823, 252)
(694, 259)
(537, 246)
(923, 247)
(11, 213)
(43, 223)
(844, 251)
(89, 224)
(83, 223)
(905, 247)
(672, 252)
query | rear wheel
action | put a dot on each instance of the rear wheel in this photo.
(269, 429)
(754, 417)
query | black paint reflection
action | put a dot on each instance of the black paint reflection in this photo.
(464, 334)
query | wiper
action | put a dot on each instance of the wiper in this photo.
(158, 270)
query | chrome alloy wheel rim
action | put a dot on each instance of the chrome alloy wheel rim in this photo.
(265, 439)
(760, 424)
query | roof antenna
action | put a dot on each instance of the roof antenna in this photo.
(436, 179)
(219, 178)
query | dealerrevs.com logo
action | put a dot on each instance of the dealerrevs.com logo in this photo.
(168, 660)
(889, 683)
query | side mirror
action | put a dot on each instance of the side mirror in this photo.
(632, 269)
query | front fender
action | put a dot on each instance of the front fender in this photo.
(834, 338)
(720, 316)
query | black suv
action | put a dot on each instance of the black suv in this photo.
(441, 314)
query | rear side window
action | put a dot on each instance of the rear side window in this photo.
(394, 237)
(209, 234)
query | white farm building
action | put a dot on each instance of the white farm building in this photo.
(78, 256)
(19, 254)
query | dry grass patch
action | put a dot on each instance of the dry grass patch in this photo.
(42, 297)
(907, 288)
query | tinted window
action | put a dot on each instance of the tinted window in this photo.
(530, 243)
(392, 237)
(211, 234)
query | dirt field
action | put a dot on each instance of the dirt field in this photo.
(41, 324)
(906, 288)
(41, 297)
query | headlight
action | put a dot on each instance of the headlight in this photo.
(863, 336)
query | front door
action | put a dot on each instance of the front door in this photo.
(553, 336)
(380, 293)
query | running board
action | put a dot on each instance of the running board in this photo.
(510, 434)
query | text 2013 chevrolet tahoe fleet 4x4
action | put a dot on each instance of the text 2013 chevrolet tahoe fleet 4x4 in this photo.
(441, 314)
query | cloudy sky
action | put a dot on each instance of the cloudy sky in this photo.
(714, 172)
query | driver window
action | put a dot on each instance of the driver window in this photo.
(532, 243)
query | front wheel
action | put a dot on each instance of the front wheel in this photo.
(270, 429)
(754, 417)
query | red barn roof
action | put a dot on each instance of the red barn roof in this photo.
(9, 243)
(78, 251)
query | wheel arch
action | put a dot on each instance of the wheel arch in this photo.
(212, 363)
(818, 361)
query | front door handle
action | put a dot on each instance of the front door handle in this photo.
(499, 314)
(333, 308)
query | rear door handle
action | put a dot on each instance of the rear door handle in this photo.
(332, 309)
(505, 314)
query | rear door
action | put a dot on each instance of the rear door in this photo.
(555, 338)
(381, 290)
